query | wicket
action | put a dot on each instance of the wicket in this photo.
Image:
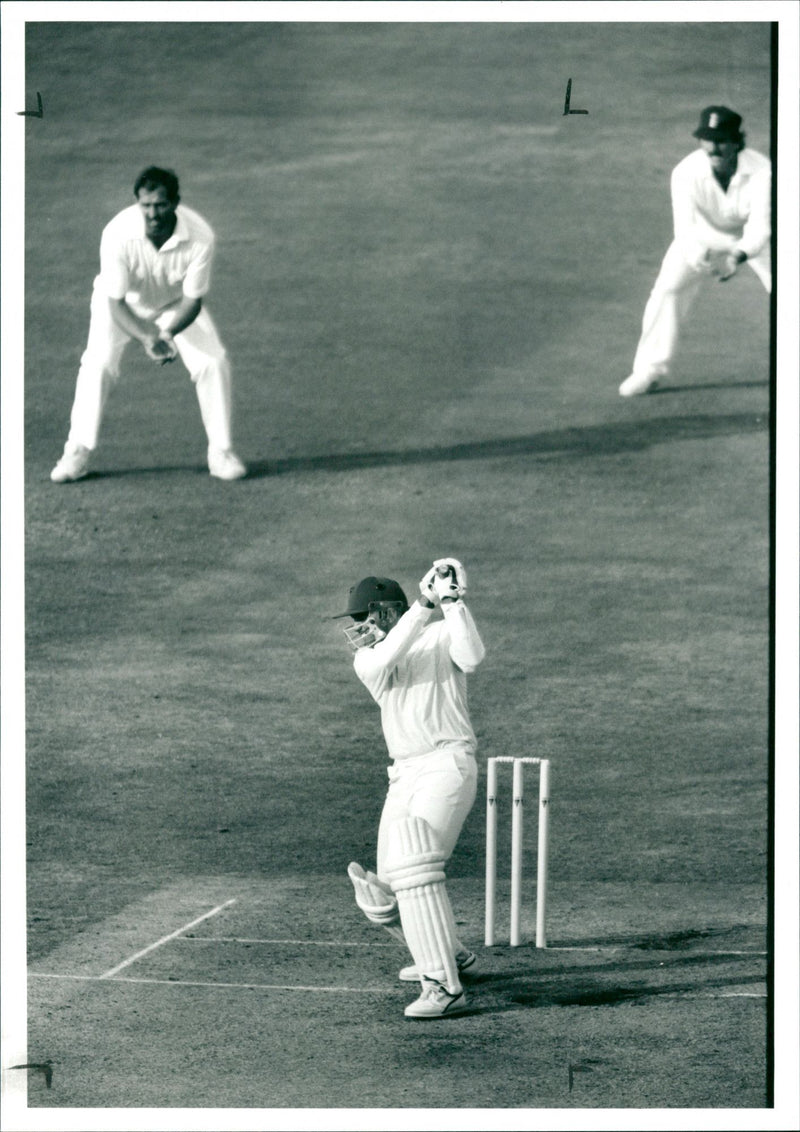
(518, 802)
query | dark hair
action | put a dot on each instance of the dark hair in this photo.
(154, 178)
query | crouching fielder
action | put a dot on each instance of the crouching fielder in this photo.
(414, 661)
(721, 206)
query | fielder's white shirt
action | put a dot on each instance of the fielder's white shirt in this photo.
(706, 216)
(151, 279)
(418, 676)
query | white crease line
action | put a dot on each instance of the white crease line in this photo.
(689, 995)
(324, 990)
(731, 994)
(287, 942)
(643, 951)
(380, 943)
(165, 939)
(229, 986)
(638, 950)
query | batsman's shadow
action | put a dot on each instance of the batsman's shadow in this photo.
(557, 444)
(622, 978)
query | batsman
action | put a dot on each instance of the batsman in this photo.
(414, 661)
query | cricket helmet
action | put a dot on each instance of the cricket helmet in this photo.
(367, 604)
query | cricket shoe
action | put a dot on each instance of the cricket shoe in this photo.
(225, 464)
(464, 960)
(436, 1001)
(73, 465)
(638, 383)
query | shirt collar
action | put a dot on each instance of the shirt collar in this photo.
(743, 167)
(180, 234)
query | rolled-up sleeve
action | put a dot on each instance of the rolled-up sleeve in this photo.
(197, 281)
(114, 273)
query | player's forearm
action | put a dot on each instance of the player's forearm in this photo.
(466, 647)
(703, 243)
(757, 232)
(183, 315)
(141, 329)
(386, 653)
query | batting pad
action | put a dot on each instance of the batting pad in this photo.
(376, 900)
(415, 867)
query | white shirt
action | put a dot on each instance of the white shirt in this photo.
(418, 676)
(708, 217)
(149, 278)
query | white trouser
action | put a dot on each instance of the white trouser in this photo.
(439, 788)
(200, 349)
(671, 300)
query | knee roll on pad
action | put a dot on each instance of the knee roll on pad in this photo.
(414, 856)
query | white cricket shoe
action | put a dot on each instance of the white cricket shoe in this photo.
(464, 960)
(73, 465)
(637, 383)
(225, 464)
(436, 1001)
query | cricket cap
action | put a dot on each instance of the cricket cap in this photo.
(718, 123)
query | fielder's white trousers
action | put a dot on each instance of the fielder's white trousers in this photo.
(200, 349)
(438, 787)
(669, 303)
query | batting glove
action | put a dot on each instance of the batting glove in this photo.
(450, 580)
(427, 589)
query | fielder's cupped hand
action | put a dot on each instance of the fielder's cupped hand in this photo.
(723, 265)
(450, 579)
(161, 350)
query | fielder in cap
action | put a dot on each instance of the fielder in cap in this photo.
(155, 271)
(721, 204)
(414, 661)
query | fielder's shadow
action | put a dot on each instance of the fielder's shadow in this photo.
(660, 390)
(155, 470)
(616, 438)
(557, 444)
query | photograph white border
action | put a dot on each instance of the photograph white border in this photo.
(14, 1114)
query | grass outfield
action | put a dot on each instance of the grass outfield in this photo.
(430, 282)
